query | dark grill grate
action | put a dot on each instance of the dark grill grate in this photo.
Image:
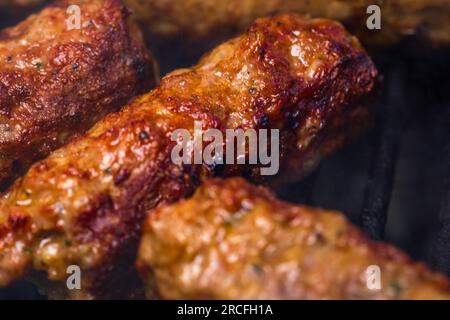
(385, 150)
(441, 250)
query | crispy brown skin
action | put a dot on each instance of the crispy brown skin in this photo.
(206, 19)
(85, 203)
(203, 19)
(56, 83)
(233, 240)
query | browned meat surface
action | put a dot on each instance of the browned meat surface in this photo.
(233, 240)
(56, 83)
(208, 19)
(197, 19)
(85, 203)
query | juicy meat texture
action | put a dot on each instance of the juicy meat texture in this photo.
(56, 83)
(204, 19)
(85, 203)
(233, 240)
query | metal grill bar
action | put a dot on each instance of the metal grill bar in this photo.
(390, 124)
(300, 192)
(441, 251)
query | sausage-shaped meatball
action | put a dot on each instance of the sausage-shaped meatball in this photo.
(233, 240)
(205, 19)
(85, 203)
(56, 82)
(208, 19)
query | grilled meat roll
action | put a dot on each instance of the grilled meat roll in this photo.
(85, 203)
(203, 19)
(207, 19)
(56, 82)
(233, 240)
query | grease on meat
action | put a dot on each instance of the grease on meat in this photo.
(233, 240)
(85, 203)
(56, 83)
